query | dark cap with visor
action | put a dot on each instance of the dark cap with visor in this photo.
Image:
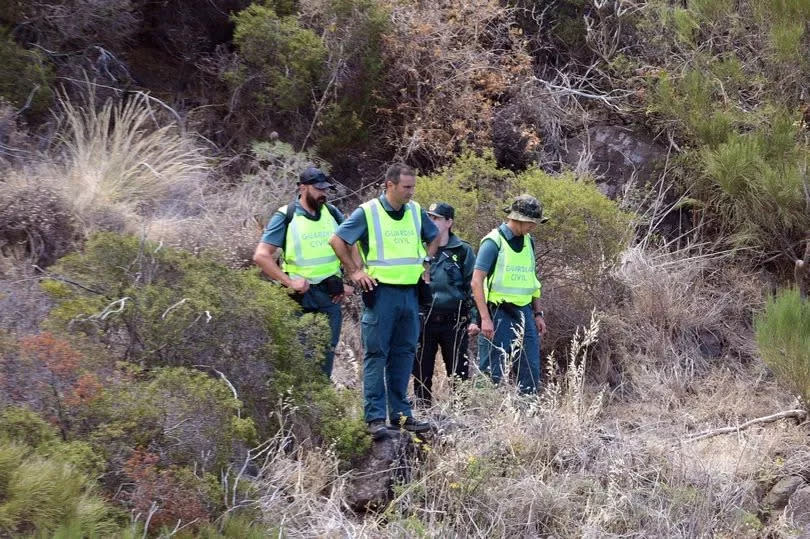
(442, 209)
(316, 178)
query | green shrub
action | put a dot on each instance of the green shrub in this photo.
(475, 187)
(690, 102)
(236, 526)
(341, 423)
(712, 11)
(26, 427)
(159, 307)
(783, 338)
(286, 58)
(586, 231)
(756, 185)
(41, 494)
(20, 425)
(353, 32)
(24, 75)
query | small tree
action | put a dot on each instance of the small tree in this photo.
(783, 337)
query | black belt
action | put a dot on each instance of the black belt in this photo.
(444, 316)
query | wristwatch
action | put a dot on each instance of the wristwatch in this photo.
(427, 260)
(538, 313)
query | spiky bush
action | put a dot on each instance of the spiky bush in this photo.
(42, 486)
(736, 114)
(783, 337)
(37, 225)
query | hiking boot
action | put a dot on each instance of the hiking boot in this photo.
(378, 429)
(412, 425)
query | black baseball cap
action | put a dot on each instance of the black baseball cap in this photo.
(315, 177)
(442, 209)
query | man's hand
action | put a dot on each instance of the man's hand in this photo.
(362, 280)
(426, 273)
(299, 285)
(487, 328)
(473, 330)
(540, 323)
(347, 291)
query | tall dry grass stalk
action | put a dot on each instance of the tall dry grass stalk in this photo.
(119, 158)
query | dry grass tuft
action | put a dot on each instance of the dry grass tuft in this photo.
(121, 165)
(682, 314)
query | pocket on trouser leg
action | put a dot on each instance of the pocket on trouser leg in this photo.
(369, 323)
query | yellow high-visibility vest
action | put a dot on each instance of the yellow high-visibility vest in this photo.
(514, 279)
(307, 253)
(395, 250)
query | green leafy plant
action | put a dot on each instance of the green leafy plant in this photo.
(474, 186)
(783, 338)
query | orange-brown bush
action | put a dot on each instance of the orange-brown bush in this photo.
(161, 494)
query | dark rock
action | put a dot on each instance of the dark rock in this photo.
(781, 492)
(614, 154)
(388, 462)
(799, 507)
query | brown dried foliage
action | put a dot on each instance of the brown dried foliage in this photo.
(450, 64)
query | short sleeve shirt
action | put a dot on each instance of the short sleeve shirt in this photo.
(275, 233)
(488, 252)
(355, 227)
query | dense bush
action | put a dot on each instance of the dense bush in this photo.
(160, 307)
(25, 76)
(37, 224)
(353, 32)
(586, 231)
(475, 187)
(283, 58)
(737, 110)
(575, 250)
(783, 337)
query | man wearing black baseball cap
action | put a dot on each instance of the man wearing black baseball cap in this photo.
(446, 316)
(309, 265)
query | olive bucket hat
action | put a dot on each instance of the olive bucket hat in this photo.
(526, 208)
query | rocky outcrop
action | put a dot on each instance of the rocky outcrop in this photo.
(388, 462)
(614, 153)
(779, 495)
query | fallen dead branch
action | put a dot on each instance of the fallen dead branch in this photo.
(797, 414)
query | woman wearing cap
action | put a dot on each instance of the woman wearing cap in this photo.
(446, 313)
(507, 293)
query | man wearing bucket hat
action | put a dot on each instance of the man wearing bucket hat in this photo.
(507, 293)
(309, 268)
(446, 316)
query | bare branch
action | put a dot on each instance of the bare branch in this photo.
(796, 414)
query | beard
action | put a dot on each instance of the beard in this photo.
(315, 201)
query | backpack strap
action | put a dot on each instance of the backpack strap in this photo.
(334, 211)
(290, 213)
